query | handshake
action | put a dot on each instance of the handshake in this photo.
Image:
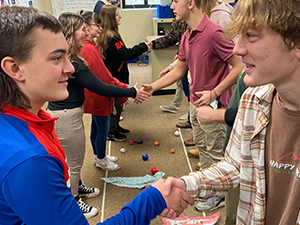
(174, 192)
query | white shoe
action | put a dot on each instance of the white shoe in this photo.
(88, 211)
(109, 157)
(88, 192)
(106, 164)
(112, 158)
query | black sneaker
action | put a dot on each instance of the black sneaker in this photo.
(116, 136)
(88, 192)
(122, 130)
(88, 211)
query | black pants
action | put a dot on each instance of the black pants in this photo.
(114, 119)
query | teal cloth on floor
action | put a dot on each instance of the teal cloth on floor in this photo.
(134, 182)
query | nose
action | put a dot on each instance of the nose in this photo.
(69, 68)
(172, 5)
(240, 47)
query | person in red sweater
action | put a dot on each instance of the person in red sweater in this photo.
(99, 106)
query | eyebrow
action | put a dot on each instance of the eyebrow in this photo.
(60, 50)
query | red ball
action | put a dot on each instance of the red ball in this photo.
(154, 170)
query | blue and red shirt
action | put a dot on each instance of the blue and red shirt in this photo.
(34, 177)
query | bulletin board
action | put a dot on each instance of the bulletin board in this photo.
(60, 6)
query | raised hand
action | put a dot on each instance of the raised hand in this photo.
(150, 45)
(141, 95)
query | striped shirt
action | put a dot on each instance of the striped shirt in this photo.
(244, 161)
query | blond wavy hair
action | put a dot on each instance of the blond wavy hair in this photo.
(281, 16)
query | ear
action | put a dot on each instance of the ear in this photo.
(12, 69)
(191, 4)
(298, 52)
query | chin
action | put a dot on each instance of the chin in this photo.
(250, 82)
(62, 96)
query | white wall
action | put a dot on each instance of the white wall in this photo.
(136, 24)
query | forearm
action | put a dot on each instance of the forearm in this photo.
(213, 181)
(166, 80)
(171, 77)
(227, 83)
(172, 65)
(232, 77)
(144, 207)
(218, 115)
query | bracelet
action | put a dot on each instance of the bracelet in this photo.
(215, 93)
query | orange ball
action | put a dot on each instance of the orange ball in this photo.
(172, 150)
(156, 143)
(147, 185)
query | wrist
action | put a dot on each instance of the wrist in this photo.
(215, 93)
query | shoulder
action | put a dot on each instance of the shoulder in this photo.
(15, 135)
(77, 63)
(261, 93)
(257, 99)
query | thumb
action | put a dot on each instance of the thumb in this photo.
(170, 182)
(136, 85)
(199, 92)
(145, 85)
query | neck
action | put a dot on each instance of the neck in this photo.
(290, 100)
(289, 93)
(34, 109)
(195, 18)
(90, 38)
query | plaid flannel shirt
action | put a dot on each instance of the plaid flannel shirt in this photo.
(174, 36)
(244, 161)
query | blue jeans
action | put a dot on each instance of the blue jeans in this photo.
(186, 90)
(186, 85)
(99, 132)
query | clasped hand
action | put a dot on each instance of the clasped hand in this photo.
(141, 95)
(173, 191)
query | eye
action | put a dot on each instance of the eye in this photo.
(57, 58)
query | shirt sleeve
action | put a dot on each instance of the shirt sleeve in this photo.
(89, 81)
(170, 39)
(230, 115)
(141, 210)
(119, 50)
(222, 47)
(36, 191)
(181, 53)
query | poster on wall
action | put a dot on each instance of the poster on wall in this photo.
(60, 6)
(116, 3)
